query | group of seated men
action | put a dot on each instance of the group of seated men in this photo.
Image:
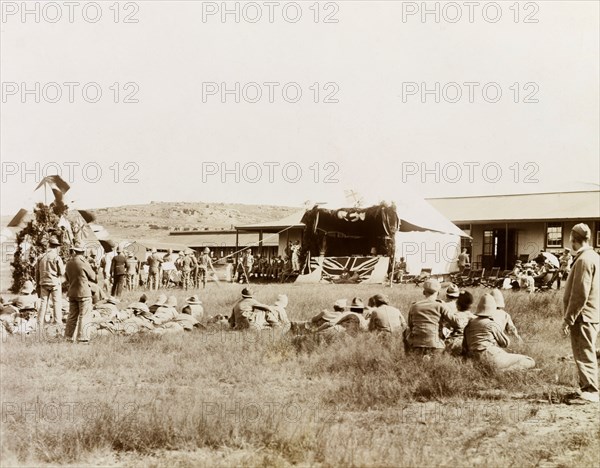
(432, 326)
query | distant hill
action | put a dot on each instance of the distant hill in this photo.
(155, 220)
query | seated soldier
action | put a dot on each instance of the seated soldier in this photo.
(160, 301)
(277, 316)
(484, 340)
(27, 301)
(385, 318)
(326, 321)
(8, 314)
(248, 313)
(426, 321)
(464, 315)
(503, 318)
(166, 312)
(452, 293)
(194, 308)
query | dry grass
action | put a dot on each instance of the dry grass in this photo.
(225, 398)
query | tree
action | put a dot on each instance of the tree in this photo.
(32, 241)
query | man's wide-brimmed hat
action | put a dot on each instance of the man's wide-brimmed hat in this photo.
(53, 241)
(498, 297)
(139, 306)
(486, 307)
(452, 290)
(380, 299)
(193, 300)
(340, 303)
(161, 300)
(206, 250)
(246, 292)
(78, 248)
(27, 287)
(431, 286)
(357, 303)
(171, 302)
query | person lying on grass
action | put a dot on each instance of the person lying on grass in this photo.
(484, 340)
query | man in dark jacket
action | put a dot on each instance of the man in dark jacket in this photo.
(79, 273)
(118, 272)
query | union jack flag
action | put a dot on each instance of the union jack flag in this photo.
(333, 267)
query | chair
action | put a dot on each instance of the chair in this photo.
(475, 278)
(491, 279)
(462, 278)
(423, 276)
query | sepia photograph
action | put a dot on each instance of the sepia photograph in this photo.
(312, 233)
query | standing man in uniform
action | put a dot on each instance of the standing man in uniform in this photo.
(582, 313)
(79, 273)
(204, 264)
(186, 265)
(48, 278)
(132, 271)
(153, 270)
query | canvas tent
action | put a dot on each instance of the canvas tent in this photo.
(363, 235)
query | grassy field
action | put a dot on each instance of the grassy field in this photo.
(238, 399)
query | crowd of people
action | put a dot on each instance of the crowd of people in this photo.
(443, 321)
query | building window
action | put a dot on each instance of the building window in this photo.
(488, 243)
(554, 235)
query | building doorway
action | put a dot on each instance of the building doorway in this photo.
(499, 248)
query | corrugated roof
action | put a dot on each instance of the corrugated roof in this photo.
(524, 207)
(223, 240)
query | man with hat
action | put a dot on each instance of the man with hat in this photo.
(48, 277)
(132, 271)
(452, 293)
(193, 307)
(244, 313)
(204, 263)
(277, 315)
(426, 321)
(118, 271)
(582, 312)
(484, 339)
(327, 318)
(384, 317)
(153, 261)
(79, 273)
(160, 301)
(186, 265)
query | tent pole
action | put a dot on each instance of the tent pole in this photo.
(393, 260)
(506, 246)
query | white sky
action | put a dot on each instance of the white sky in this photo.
(368, 135)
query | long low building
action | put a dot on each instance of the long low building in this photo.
(505, 228)
(224, 243)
